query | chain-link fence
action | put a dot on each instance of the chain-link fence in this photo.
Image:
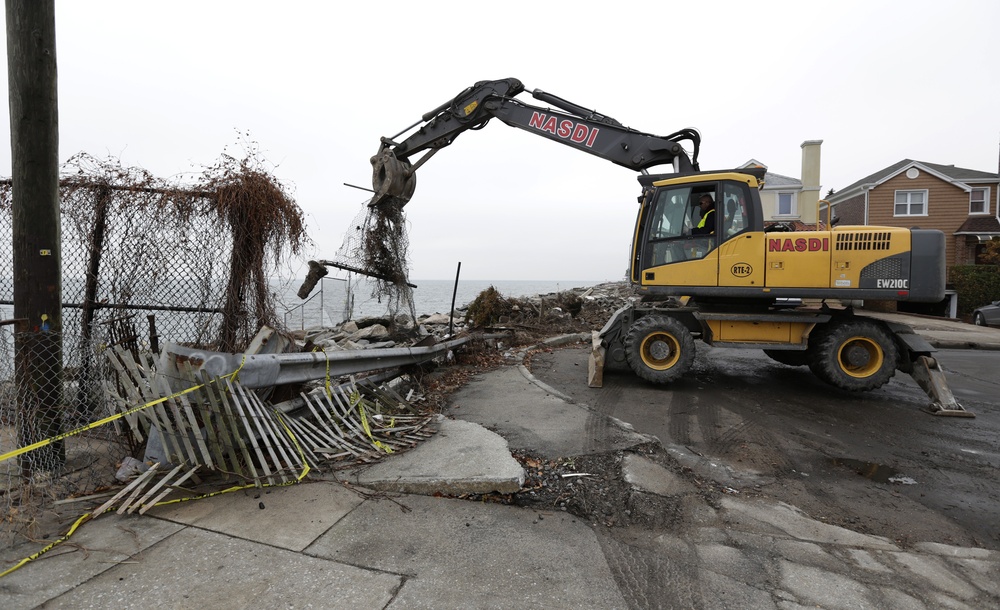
(143, 261)
(41, 398)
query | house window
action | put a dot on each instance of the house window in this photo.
(978, 201)
(786, 204)
(910, 203)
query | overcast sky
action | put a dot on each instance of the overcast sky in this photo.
(169, 86)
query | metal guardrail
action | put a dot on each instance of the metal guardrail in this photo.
(266, 370)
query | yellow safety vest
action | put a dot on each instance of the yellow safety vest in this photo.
(701, 223)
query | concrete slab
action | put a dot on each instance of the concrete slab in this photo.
(646, 475)
(824, 589)
(461, 458)
(461, 554)
(201, 569)
(720, 591)
(96, 547)
(784, 519)
(931, 570)
(531, 418)
(291, 518)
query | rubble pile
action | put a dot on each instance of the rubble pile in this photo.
(528, 319)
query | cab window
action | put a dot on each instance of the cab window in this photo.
(673, 216)
(734, 210)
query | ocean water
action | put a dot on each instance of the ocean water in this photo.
(328, 304)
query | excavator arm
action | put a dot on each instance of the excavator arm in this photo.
(394, 167)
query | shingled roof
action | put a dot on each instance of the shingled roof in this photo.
(950, 172)
(979, 225)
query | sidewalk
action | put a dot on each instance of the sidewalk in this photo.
(380, 538)
(945, 333)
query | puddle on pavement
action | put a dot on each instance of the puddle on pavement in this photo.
(875, 472)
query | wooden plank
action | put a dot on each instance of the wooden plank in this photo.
(355, 405)
(152, 490)
(284, 441)
(138, 388)
(138, 482)
(344, 412)
(180, 429)
(111, 389)
(188, 409)
(232, 426)
(227, 447)
(265, 438)
(172, 486)
(334, 437)
(336, 434)
(157, 413)
(208, 407)
(234, 402)
(390, 397)
(306, 441)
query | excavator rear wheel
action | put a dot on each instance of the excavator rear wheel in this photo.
(854, 355)
(659, 349)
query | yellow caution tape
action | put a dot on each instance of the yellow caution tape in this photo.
(78, 523)
(86, 517)
(326, 380)
(368, 430)
(42, 443)
(295, 441)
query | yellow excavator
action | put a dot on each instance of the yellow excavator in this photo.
(719, 276)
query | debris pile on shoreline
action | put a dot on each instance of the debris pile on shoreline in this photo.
(527, 318)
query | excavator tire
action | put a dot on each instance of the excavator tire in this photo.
(659, 348)
(789, 357)
(855, 355)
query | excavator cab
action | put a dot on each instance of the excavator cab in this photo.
(673, 245)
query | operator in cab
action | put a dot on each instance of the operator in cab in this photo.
(706, 226)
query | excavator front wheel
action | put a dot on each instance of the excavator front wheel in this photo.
(855, 355)
(659, 348)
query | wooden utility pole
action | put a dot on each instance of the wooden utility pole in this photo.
(34, 145)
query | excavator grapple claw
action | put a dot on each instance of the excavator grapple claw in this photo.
(391, 178)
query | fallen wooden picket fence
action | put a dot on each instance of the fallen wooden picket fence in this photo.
(219, 426)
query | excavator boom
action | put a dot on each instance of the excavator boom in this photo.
(569, 124)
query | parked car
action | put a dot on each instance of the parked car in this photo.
(987, 315)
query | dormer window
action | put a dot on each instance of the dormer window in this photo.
(786, 204)
(979, 201)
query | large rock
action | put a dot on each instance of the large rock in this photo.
(439, 318)
(370, 333)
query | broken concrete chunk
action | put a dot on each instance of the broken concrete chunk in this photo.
(130, 467)
(269, 341)
(375, 331)
(439, 318)
(328, 345)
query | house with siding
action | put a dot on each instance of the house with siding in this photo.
(962, 203)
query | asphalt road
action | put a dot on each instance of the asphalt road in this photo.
(873, 462)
